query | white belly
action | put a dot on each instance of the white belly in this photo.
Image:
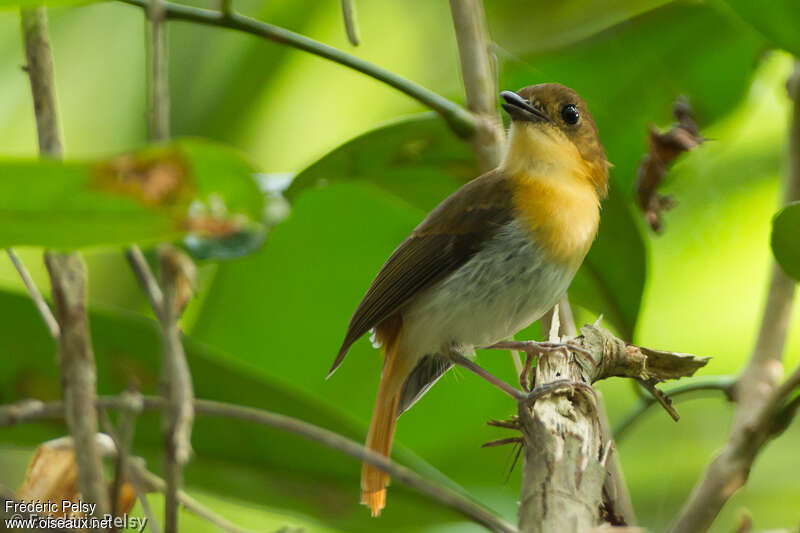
(501, 290)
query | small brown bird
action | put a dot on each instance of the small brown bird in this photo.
(491, 259)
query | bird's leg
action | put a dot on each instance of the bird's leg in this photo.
(533, 348)
(516, 394)
(460, 360)
(526, 369)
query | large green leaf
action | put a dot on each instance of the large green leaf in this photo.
(678, 49)
(786, 239)
(157, 193)
(233, 459)
(520, 27)
(689, 49)
(777, 20)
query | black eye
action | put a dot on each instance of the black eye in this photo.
(570, 114)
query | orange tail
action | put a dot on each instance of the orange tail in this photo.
(384, 420)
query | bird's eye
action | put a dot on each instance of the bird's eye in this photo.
(570, 114)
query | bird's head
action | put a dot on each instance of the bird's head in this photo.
(553, 134)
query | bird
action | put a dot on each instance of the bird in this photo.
(489, 260)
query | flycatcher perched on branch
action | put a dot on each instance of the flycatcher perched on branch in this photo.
(491, 259)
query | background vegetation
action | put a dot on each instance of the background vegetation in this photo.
(263, 328)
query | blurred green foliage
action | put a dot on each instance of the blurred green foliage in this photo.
(264, 328)
(785, 242)
(155, 194)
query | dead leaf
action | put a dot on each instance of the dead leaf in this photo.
(664, 149)
(156, 177)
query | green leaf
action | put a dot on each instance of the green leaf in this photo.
(680, 49)
(417, 159)
(786, 239)
(777, 20)
(234, 459)
(158, 193)
(519, 30)
(631, 74)
(15, 4)
(421, 162)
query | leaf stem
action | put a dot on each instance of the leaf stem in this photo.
(461, 121)
(34, 410)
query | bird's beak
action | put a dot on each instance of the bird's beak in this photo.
(519, 109)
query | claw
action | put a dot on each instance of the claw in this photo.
(553, 386)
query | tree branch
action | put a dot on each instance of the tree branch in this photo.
(461, 121)
(615, 488)
(479, 78)
(78, 377)
(40, 72)
(146, 278)
(178, 389)
(756, 389)
(157, 73)
(34, 410)
(68, 279)
(567, 455)
(152, 483)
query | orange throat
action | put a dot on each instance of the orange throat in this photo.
(555, 193)
(563, 217)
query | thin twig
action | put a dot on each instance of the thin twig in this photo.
(724, 384)
(461, 121)
(147, 280)
(122, 441)
(480, 81)
(134, 467)
(158, 87)
(153, 483)
(33, 410)
(350, 22)
(757, 385)
(38, 300)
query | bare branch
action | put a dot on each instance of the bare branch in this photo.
(122, 441)
(68, 279)
(40, 71)
(157, 72)
(33, 410)
(480, 80)
(757, 395)
(78, 378)
(141, 493)
(153, 483)
(567, 452)
(147, 279)
(44, 310)
(461, 121)
(178, 389)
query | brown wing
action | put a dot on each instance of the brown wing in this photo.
(448, 237)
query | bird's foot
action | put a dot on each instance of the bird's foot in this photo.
(533, 349)
(549, 388)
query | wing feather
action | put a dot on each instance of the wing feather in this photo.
(448, 237)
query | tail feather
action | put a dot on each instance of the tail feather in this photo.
(384, 420)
